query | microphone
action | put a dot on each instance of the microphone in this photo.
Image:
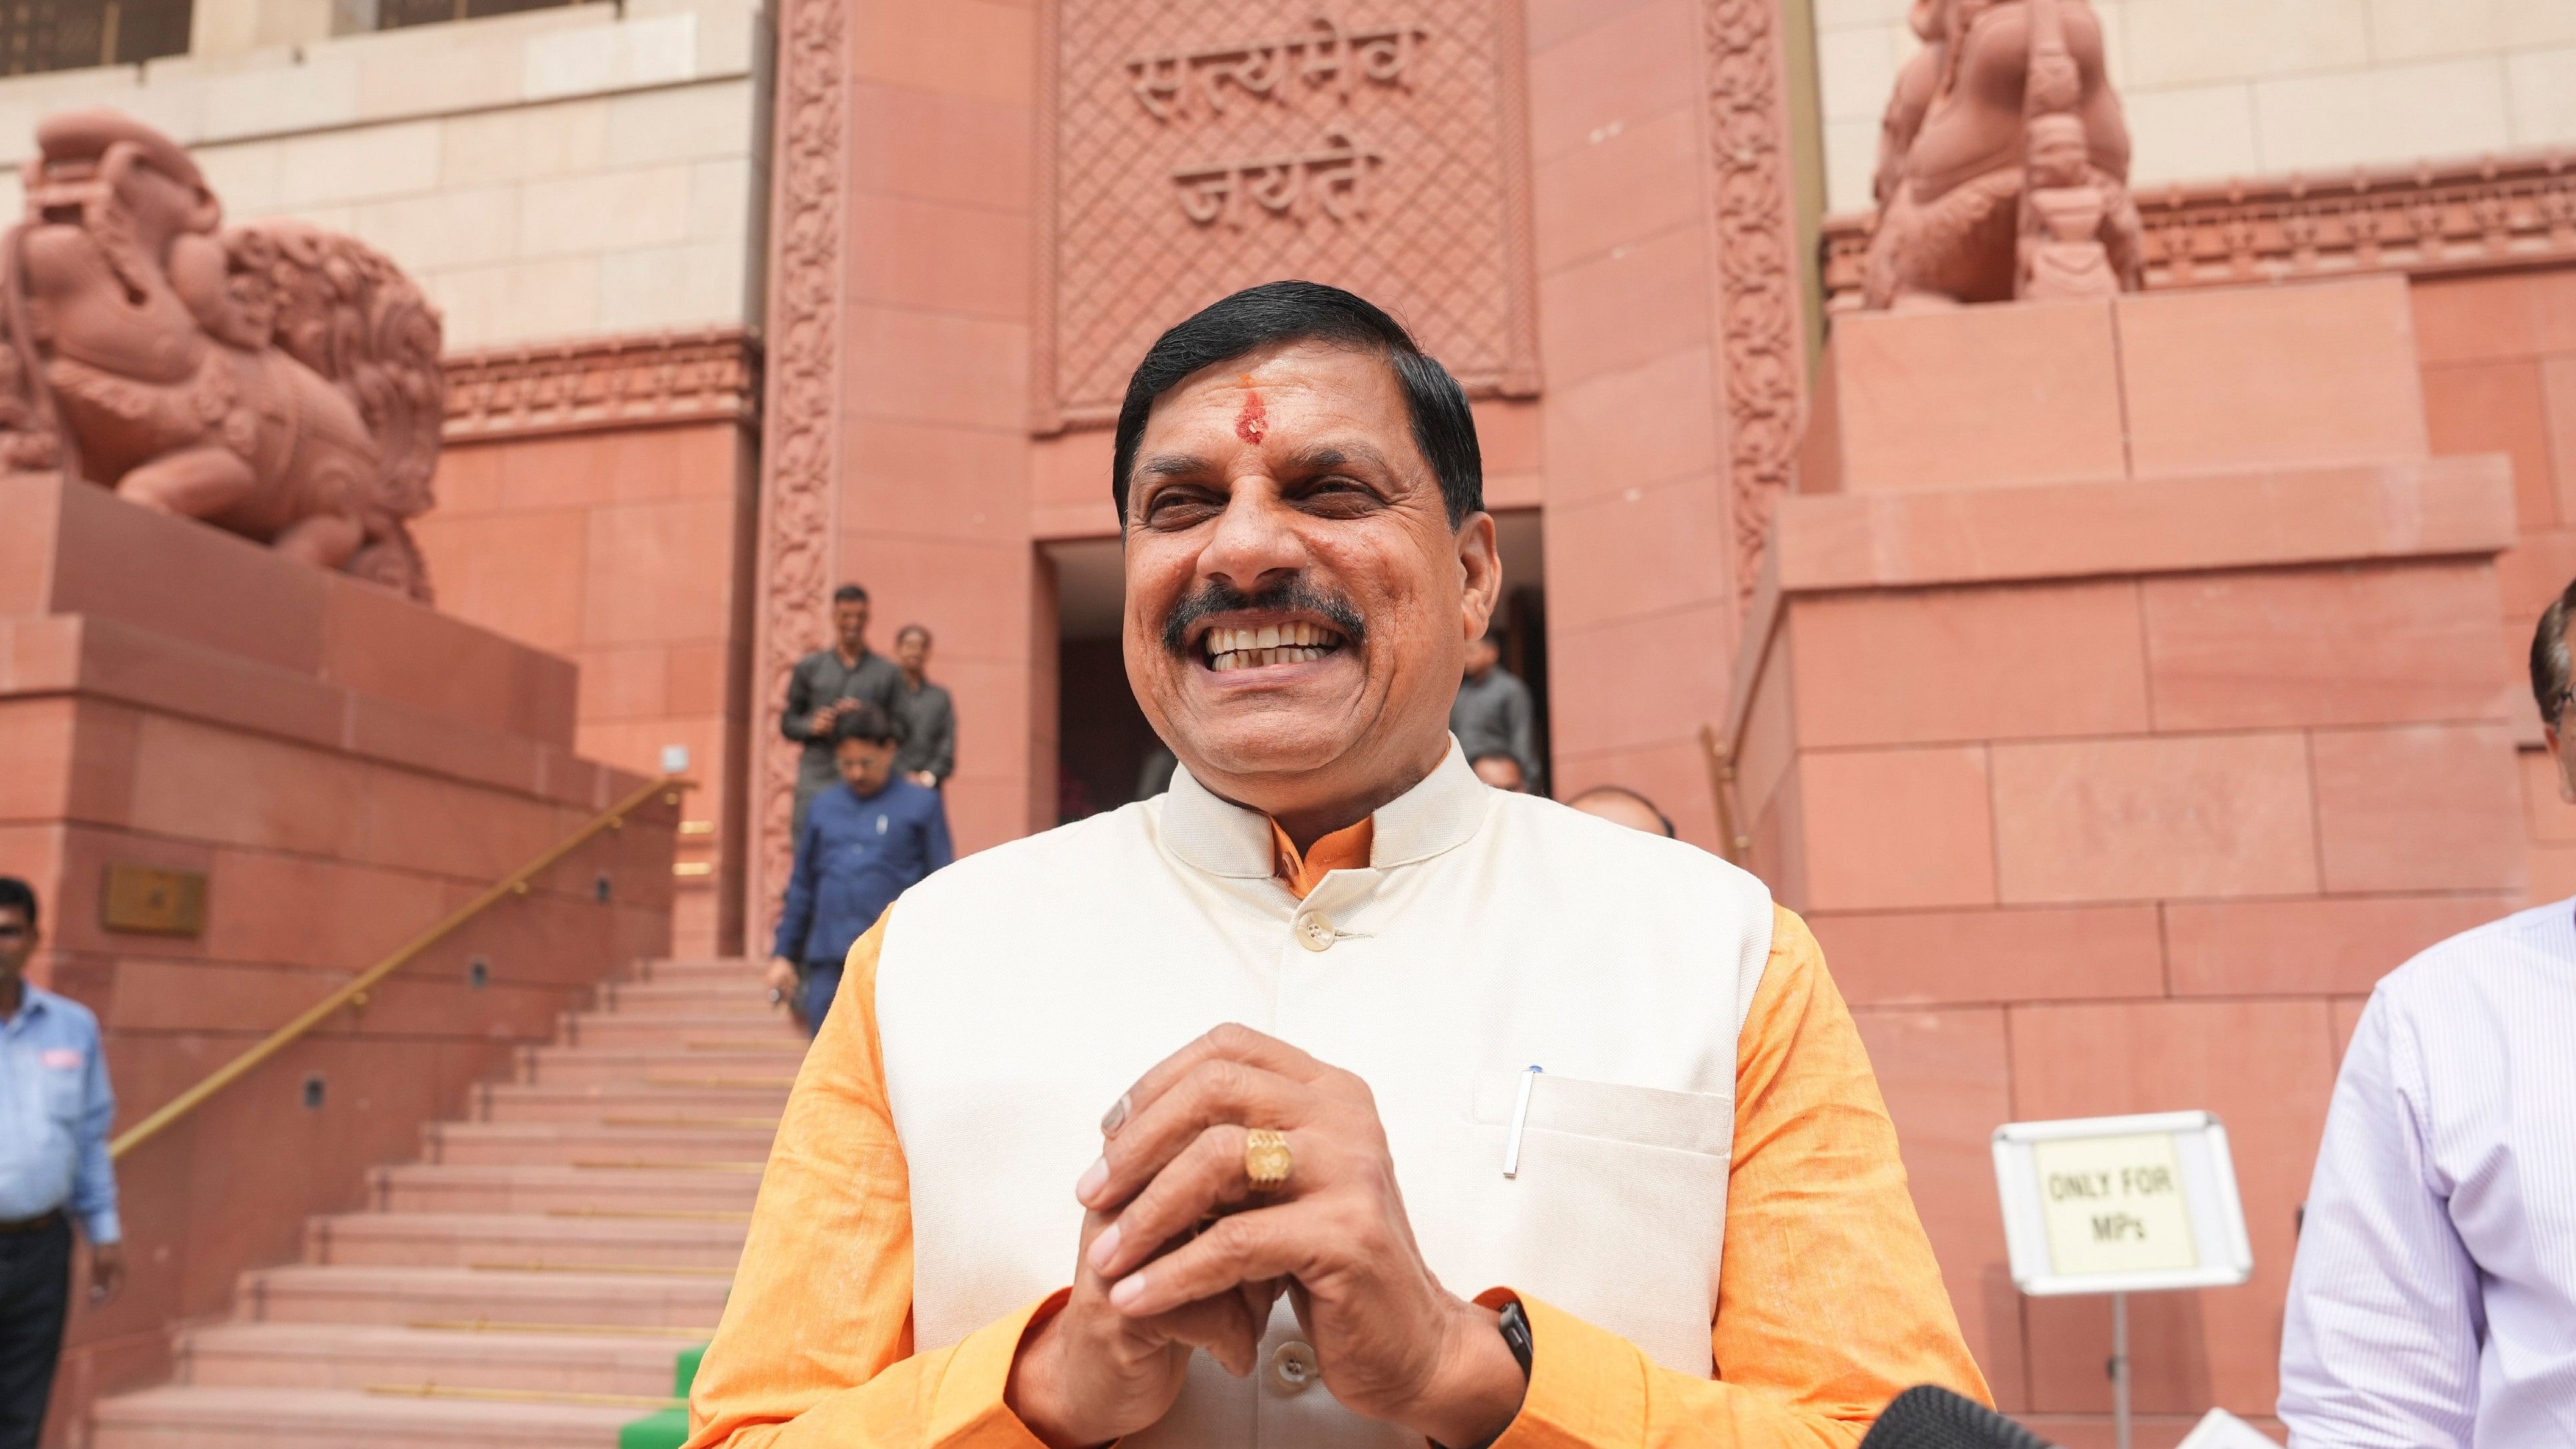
(1929, 1417)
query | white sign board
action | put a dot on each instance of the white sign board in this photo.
(2121, 1204)
(2219, 1429)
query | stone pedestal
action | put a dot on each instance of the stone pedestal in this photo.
(2121, 702)
(342, 767)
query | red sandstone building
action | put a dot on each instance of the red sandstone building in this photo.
(2120, 686)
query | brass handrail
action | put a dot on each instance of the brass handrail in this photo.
(355, 992)
(1732, 844)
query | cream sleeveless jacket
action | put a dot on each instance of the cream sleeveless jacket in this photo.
(1491, 933)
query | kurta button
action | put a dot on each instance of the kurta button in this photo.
(1292, 1367)
(1315, 931)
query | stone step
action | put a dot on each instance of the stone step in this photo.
(693, 1033)
(567, 1066)
(352, 1356)
(748, 998)
(640, 1236)
(601, 1101)
(191, 1417)
(721, 1139)
(737, 968)
(613, 1184)
(394, 1296)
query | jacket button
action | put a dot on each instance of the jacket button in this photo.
(1314, 931)
(1292, 1367)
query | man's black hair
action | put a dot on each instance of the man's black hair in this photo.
(909, 630)
(1282, 312)
(15, 892)
(849, 594)
(2549, 661)
(1481, 756)
(863, 722)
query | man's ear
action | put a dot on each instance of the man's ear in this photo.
(1480, 574)
(2558, 761)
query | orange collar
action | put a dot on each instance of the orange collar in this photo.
(1344, 849)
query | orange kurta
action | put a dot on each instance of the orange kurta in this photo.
(1829, 1302)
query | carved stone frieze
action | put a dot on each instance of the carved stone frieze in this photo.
(1762, 366)
(624, 382)
(2482, 216)
(801, 446)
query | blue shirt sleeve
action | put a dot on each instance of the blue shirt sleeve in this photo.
(796, 916)
(94, 1179)
(935, 847)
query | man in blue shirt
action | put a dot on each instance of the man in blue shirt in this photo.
(55, 1107)
(861, 847)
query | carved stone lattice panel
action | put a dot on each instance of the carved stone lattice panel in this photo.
(1195, 147)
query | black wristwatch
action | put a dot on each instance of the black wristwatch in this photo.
(1516, 1335)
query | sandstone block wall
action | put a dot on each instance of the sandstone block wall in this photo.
(2111, 780)
(571, 172)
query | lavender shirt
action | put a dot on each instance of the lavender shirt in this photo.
(2434, 1298)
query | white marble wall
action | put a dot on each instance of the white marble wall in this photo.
(547, 175)
(2221, 88)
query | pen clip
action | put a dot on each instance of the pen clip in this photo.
(1520, 1120)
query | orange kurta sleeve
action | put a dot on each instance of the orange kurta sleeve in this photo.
(1829, 1303)
(816, 1344)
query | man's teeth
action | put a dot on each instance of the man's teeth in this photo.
(1269, 644)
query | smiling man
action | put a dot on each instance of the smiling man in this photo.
(1330, 1097)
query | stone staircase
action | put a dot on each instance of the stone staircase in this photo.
(530, 1281)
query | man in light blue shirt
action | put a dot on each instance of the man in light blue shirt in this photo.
(55, 1107)
(2433, 1301)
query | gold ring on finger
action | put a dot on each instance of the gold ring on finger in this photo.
(1266, 1160)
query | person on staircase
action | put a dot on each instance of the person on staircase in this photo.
(862, 845)
(55, 1107)
(925, 713)
(827, 684)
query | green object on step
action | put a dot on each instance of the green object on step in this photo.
(666, 1428)
(662, 1429)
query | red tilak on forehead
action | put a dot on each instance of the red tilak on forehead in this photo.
(1252, 422)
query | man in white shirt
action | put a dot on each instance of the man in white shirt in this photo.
(2434, 1298)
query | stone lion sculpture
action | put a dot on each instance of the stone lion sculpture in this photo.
(272, 379)
(2003, 162)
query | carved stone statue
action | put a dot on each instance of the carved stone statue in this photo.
(272, 379)
(2003, 162)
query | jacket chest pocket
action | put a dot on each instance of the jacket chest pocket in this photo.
(1616, 1206)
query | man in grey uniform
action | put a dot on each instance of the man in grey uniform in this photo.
(828, 683)
(1494, 712)
(924, 715)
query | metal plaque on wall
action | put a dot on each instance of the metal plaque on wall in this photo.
(1189, 148)
(150, 901)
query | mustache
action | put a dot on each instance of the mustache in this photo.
(1289, 595)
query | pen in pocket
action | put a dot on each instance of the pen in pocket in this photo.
(1520, 1120)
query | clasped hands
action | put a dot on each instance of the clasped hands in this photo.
(1179, 1252)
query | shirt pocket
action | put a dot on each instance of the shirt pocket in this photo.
(1701, 1122)
(62, 1087)
(1616, 1211)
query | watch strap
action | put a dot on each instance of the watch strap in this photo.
(1516, 1335)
